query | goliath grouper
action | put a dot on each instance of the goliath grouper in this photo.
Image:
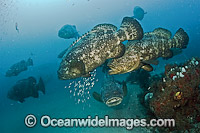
(112, 92)
(26, 88)
(19, 67)
(142, 53)
(95, 47)
(68, 31)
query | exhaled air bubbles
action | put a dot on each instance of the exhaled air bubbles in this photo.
(8, 13)
(80, 89)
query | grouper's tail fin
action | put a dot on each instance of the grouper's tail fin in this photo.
(180, 39)
(130, 29)
(41, 86)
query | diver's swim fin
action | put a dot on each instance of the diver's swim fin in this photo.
(97, 96)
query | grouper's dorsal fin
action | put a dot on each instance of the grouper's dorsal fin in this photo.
(75, 43)
(105, 27)
(97, 96)
(98, 31)
(158, 32)
(161, 32)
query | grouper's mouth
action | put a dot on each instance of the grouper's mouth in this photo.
(71, 69)
(112, 72)
(113, 101)
(65, 75)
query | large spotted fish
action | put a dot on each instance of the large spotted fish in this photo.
(112, 91)
(142, 53)
(95, 47)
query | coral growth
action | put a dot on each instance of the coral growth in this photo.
(176, 95)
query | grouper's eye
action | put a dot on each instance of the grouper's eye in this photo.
(75, 71)
(77, 68)
(74, 74)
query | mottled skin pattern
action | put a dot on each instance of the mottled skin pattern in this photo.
(153, 45)
(26, 88)
(92, 49)
(112, 92)
(68, 31)
(19, 67)
(23, 89)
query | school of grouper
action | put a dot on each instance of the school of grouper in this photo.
(103, 45)
(104, 42)
(172, 95)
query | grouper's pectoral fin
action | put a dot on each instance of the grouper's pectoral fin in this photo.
(153, 62)
(171, 52)
(167, 54)
(87, 75)
(21, 100)
(147, 67)
(62, 53)
(124, 87)
(97, 96)
(35, 93)
(124, 68)
(117, 51)
(136, 65)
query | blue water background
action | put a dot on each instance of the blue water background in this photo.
(39, 22)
